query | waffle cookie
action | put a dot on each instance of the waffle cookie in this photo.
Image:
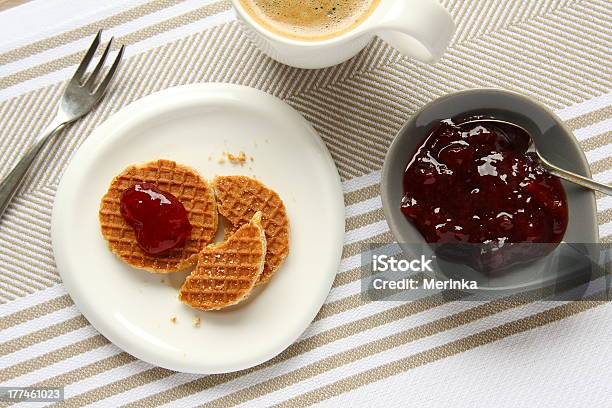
(238, 198)
(227, 272)
(188, 187)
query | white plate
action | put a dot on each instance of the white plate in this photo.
(194, 125)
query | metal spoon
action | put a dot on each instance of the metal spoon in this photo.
(557, 171)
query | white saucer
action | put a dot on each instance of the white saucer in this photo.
(194, 125)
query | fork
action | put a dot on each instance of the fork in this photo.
(80, 96)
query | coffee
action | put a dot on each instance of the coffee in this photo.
(309, 20)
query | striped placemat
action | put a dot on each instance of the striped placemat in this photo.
(358, 352)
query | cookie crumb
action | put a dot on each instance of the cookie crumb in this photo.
(221, 161)
(240, 158)
(173, 319)
(196, 321)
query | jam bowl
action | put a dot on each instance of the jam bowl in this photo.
(413, 206)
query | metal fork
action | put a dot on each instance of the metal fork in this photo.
(80, 96)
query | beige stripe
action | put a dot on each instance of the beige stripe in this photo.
(604, 216)
(362, 194)
(53, 357)
(601, 165)
(596, 141)
(44, 334)
(131, 38)
(352, 275)
(590, 118)
(7, 4)
(362, 220)
(437, 353)
(33, 312)
(340, 306)
(85, 31)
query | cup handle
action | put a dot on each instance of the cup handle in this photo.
(418, 28)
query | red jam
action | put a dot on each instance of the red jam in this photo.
(476, 183)
(159, 219)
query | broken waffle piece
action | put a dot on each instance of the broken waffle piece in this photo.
(238, 198)
(227, 272)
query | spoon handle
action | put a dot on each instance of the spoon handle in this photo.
(575, 178)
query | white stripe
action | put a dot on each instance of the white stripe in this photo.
(369, 230)
(32, 300)
(605, 230)
(604, 203)
(350, 262)
(604, 177)
(362, 181)
(599, 153)
(363, 207)
(595, 129)
(347, 317)
(344, 291)
(585, 107)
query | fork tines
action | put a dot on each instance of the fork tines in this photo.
(89, 84)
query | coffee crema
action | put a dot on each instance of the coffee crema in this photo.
(309, 20)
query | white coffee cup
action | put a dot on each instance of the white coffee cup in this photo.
(417, 28)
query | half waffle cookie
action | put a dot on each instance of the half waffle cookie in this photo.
(239, 197)
(227, 272)
(188, 187)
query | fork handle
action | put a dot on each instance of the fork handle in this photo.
(12, 181)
